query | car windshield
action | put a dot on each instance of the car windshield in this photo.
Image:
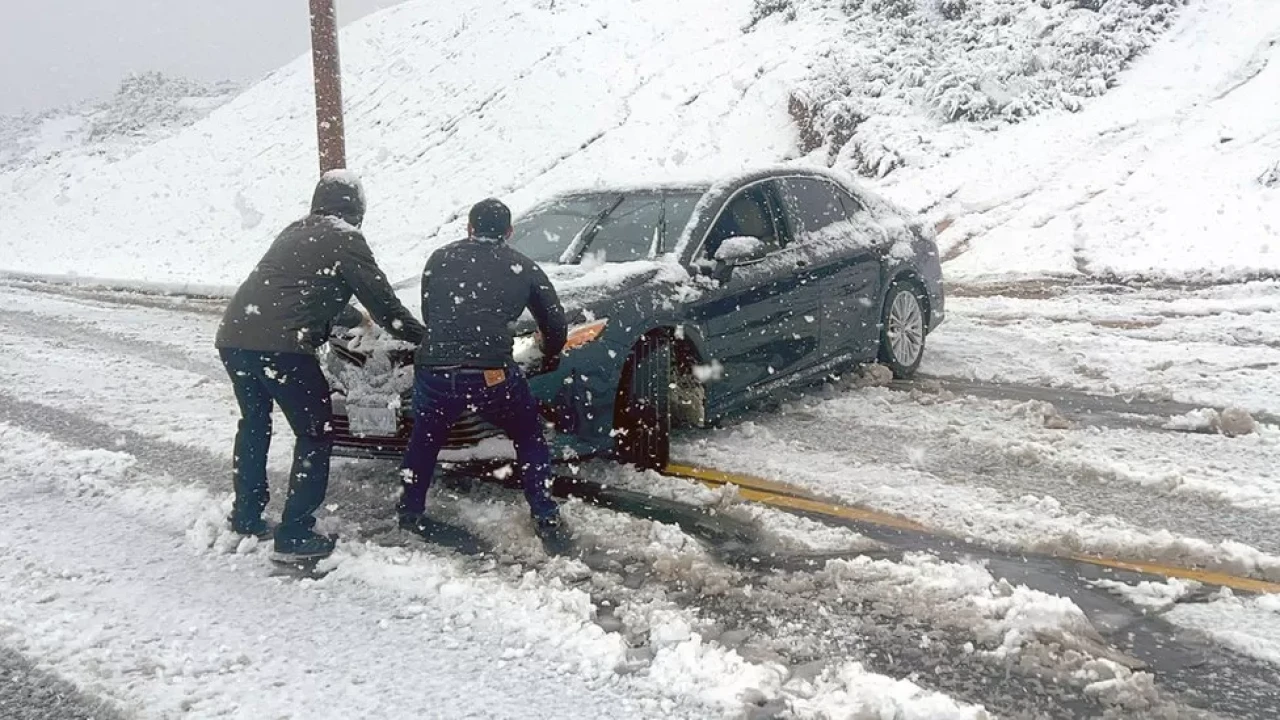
(545, 234)
(622, 227)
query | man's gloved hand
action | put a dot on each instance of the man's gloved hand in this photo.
(548, 362)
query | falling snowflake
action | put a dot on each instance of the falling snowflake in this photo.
(252, 310)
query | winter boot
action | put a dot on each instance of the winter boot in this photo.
(258, 528)
(308, 546)
(555, 535)
(418, 524)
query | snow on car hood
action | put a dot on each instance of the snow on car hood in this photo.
(582, 285)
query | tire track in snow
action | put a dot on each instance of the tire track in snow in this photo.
(361, 493)
(958, 460)
(29, 693)
(875, 639)
(86, 335)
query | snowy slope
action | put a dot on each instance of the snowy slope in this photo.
(48, 155)
(448, 104)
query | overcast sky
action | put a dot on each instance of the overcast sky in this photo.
(54, 52)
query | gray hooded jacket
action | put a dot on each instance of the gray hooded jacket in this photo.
(303, 284)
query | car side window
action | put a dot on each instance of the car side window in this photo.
(813, 205)
(750, 213)
(852, 205)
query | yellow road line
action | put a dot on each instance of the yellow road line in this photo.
(840, 511)
(783, 495)
(770, 492)
(1207, 577)
(719, 477)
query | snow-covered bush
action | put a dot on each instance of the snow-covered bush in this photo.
(147, 103)
(988, 62)
(17, 134)
(952, 9)
(767, 8)
(1271, 176)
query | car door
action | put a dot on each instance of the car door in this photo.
(847, 265)
(762, 324)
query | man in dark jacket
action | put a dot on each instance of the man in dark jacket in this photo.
(280, 315)
(472, 292)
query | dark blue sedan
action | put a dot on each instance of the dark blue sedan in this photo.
(689, 302)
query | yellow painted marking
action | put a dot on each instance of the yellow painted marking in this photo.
(790, 496)
(746, 481)
(1207, 577)
(840, 511)
(783, 495)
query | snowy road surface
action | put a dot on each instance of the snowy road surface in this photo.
(117, 576)
(27, 693)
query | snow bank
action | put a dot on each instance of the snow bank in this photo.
(530, 623)
(852, 692)
(1248, 624)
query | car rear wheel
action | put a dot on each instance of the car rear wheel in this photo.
(642, 421)
(902, 328)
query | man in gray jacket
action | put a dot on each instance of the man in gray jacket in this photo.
(281, 314)
(473, 290)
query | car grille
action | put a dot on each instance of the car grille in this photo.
(467, 431)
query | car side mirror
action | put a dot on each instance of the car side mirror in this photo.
(735, 251)
(739, 249)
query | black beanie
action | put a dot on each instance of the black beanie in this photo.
(490, 219)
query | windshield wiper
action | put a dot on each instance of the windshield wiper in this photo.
(580, 243)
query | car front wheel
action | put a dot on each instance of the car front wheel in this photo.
(902, 328)
(642, 420)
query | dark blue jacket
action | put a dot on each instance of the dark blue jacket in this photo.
(473, 291)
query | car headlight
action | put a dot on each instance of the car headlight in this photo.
(528, 348)
(580, 335)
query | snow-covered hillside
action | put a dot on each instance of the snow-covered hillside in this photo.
(147, 108)
(1169, 176)
(448, 104)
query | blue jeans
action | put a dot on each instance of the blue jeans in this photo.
(295, 381)
(440, 396)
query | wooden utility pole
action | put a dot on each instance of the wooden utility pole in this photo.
(328, 74)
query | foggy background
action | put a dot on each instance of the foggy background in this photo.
(58, 52)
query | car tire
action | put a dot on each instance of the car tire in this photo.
(903, 328)
(642, 421)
